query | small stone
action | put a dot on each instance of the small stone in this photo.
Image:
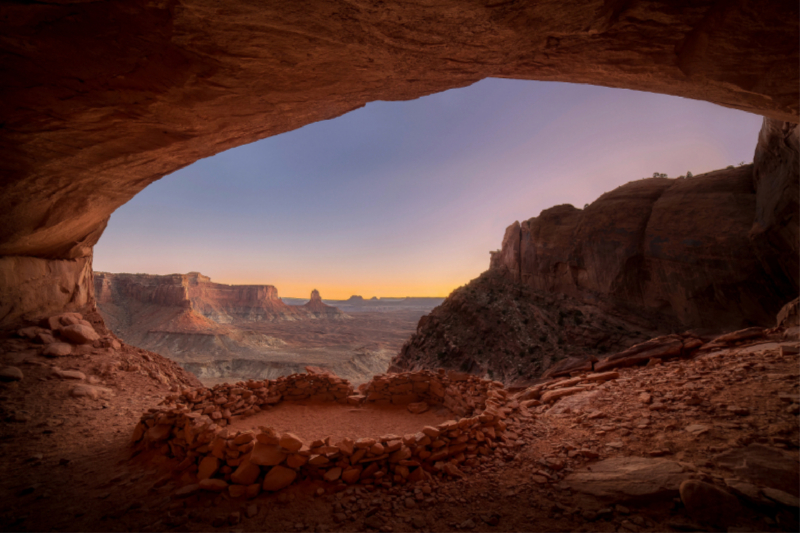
(69, 374)
(57, 349)
(333, 474)
(213, 485)
(739, 411)
(88, 391)
(246, 473)
(251, 511)
(278, 478)
(266, 455)
(374, 522)
(339, 517)
(208, 467)
(187, 491)
(236, 491)
(290, 442)
(697, 429)
(418, 522)
(10, 373)
(418, 407)
(410, 503)
(467, 524)
(491, 519)
(645, 398)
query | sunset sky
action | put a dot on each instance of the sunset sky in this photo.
(408, 198)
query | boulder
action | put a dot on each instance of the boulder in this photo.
(79, 334)
(638, 480)
(709, 503)
(763, 465)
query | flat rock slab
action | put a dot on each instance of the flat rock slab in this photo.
(639, 480)
(763, 465)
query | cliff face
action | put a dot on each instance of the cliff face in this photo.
(713, 252)
(677, 249)
(197, 295)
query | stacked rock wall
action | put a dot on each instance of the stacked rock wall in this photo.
(190, 427)
(460, 392)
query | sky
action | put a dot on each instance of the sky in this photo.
(408, 198)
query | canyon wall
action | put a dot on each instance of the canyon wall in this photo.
(679, 249)
(100, 99)
(713, 252)
(195, 293)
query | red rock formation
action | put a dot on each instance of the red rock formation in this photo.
(319, 309)
(679, 249)
(654, 256)
(99, 99)
(218, 302)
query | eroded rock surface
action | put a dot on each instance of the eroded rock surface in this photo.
(681, 249)
(101, 99)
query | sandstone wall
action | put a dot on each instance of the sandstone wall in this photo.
(215, 301)
(31, 287)
(190, 427)
(683, 249)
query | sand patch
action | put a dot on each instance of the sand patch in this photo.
(317, 420)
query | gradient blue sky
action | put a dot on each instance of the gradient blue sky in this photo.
(408, 198)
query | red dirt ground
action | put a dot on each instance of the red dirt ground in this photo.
(317, 420)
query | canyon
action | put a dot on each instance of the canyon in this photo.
(228, 332)
(100, 99)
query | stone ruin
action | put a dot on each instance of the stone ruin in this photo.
(190, 428)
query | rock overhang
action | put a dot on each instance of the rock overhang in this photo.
(101, 99)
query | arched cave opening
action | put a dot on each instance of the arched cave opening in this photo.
(100, 99)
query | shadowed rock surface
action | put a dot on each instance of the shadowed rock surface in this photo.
(100, 99)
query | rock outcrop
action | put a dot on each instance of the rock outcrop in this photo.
(217, 302)
(500, 328)
(680, 249)
(319, 309)
(89, 120)
(654, 256)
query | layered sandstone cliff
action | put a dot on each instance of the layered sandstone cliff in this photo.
(680, 249)
(713, 252)
(210, 304)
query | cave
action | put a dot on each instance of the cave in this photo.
(100, 99)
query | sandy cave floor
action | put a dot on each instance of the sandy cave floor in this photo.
(67, 465)
(317, 420)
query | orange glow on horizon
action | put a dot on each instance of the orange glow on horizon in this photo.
(296, 289)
